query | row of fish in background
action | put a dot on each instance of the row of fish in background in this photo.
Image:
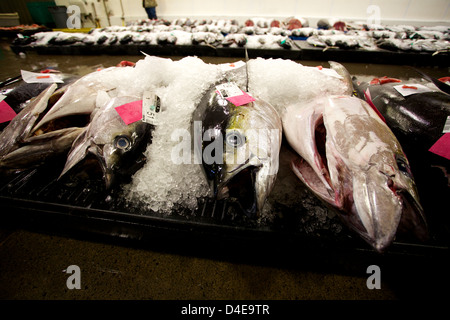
(255, 33)
(344, 152)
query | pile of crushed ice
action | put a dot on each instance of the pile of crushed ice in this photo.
(162, 185)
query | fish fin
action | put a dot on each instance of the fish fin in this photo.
(76, 154)
(441, 85)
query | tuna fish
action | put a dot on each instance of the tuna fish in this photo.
(79, 98)
(351, 160)
(239, 147)
(417, 119)
(117, 148)
(21, 126)
(37, 149)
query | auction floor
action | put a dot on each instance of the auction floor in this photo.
(33, 264)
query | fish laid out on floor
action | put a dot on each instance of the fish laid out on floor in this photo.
(116, 147)
(20, 127)
(22, 146)
(19, 92)
(414, 111)
(78, 99)
(239, 147)
(37, 149)
(352, 160)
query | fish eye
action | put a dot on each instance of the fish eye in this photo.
(122, 143)
(235, 139)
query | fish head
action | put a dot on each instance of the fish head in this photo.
(117, 148)
(250, 167)
(384, 200)
(240, 148)
(123, 153)
(351, 160)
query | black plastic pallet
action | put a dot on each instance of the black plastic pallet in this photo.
(36, 199)
(301, 50)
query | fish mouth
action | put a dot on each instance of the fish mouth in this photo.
(108, 174)
(240, 185)
(383, 210)
(88, 168)
(316, 176)
(88, 164)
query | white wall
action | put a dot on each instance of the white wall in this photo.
(416, 12)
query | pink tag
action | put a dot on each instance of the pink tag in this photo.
(442, 146)
(6, 112)
(241, 100)
(130, 112)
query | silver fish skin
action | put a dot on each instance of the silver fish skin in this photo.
(21, 125)
(246, 140)
(79, 97)
(117, 147)
(350, 159)
(37, 149)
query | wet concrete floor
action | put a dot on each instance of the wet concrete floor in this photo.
(32, 263)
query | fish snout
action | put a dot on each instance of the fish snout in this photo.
(109, 158)
(386, 204)
(377, 208)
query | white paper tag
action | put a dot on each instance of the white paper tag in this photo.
(34, 77)
(447, 125)
(232, 66)
(151, 106)
(409, 89)
(229, 89)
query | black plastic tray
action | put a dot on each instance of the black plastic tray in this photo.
(36, 199)
(300, 50)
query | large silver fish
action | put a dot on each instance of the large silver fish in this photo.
(78, 98)
(21, 126)
(37, 149)
(118, 148)
(238, 147)
(351, 159)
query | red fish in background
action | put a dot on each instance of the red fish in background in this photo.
(294, 24)
(125, 63)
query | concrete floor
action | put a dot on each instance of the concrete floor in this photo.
(32, 267)
(32, 264)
